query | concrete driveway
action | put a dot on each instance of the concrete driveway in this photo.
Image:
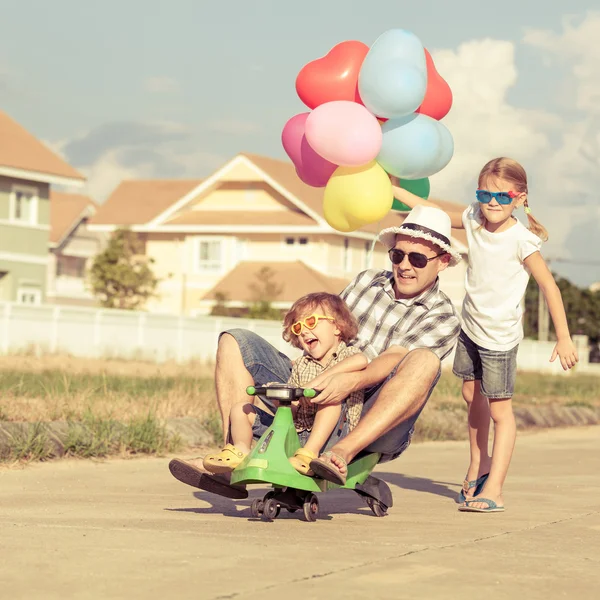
(127, 529)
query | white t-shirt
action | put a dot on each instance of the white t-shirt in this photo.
(496, 281)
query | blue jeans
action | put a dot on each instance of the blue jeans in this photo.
(497, 370)
(266, 364)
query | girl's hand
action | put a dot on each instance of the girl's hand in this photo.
(566, 352)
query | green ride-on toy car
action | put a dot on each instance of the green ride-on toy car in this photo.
(268, 463)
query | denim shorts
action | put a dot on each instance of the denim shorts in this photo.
(497, 370)
(266, 364)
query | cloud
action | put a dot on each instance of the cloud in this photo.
(232, 127)
(136, 150)
(161, 85)
(577, 48)
(90, 146)
(558, 152)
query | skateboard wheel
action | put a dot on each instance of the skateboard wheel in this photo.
(311, 508)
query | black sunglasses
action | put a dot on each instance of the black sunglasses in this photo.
(416, 259)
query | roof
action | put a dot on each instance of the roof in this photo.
(22, 151)
(201, 217)
(66, 212)
(296, 279)
(135, 202)
(284, 173)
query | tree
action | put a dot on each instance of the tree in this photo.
(582, 308)
(120, 276)
(264, 291)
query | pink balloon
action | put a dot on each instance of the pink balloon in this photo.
(311, 168)
(344, 133)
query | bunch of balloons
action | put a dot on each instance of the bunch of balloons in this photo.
(375, 112)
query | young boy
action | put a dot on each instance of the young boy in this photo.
(322, 326)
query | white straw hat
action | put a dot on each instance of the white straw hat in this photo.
(427, 223)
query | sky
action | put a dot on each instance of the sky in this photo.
(127, 89)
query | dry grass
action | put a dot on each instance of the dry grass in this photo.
(53, 388)
(65, 388)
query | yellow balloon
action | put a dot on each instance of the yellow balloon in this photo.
(355, 196)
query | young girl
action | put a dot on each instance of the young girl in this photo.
(502, 255)
(322, 326)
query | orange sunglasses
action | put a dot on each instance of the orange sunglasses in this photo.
(309, 323)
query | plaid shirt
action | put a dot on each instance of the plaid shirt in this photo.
(426, 321)
(304, 370)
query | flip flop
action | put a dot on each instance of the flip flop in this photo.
(216, 484)
(324, 468)
(467, 485)
(301, 461)
(225, 461)
(491, 506)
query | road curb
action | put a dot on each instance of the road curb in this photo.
(193, 432)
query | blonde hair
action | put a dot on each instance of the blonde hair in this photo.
(512, 171)
(331, 305)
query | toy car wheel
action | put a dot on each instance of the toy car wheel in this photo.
(379, 508)
(311, 508)
(270, 510)
(256, 508)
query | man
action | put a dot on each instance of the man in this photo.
(406, 326)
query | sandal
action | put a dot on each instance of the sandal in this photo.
(225, 461)
(490, 508)
(216, 484)
(324, 468)
(301, 461)
(467, 485)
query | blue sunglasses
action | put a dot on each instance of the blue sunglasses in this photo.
(504, 198)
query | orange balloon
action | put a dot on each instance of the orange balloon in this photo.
(333, 76)
(438, 96)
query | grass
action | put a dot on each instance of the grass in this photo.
(115, 407)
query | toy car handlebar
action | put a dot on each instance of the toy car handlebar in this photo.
(282, 393)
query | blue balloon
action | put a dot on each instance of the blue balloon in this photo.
(415, 146)
(393, 77)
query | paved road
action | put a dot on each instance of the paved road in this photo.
(127, 529)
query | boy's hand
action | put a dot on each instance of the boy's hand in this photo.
(566, 352)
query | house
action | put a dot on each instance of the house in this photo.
(27, 170)
(213, 238)
(72, 248)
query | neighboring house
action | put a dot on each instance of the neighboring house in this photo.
(214, 236)
(72, 248)
(27, 170)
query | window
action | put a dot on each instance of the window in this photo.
(208, 255)
(29, 295)
(290, 241)
(346, 256)
(24, 205)
(368, 256)
(70, 266)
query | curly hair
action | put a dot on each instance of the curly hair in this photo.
(329, 305)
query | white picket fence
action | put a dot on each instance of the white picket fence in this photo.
(108, 333)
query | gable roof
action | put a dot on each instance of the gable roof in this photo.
(23, 156)
(66, 212)
(152, 202)
(295, 278)
(138, 201)
(285, 173)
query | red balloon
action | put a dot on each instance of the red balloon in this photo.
(333, 76)
(438, 97)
